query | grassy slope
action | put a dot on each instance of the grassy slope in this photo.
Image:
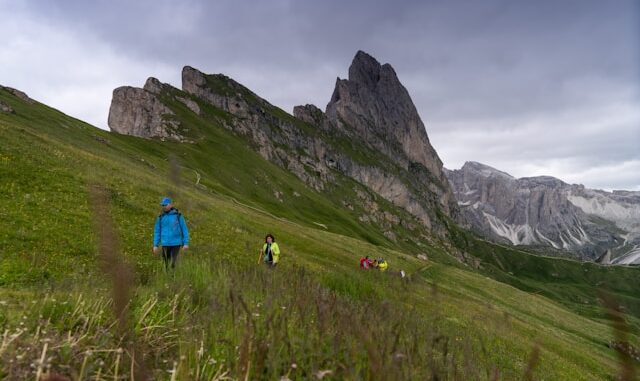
(46, 162)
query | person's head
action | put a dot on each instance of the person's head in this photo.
(166, 204)
(269, 238)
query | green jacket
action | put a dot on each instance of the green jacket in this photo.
(275, 252)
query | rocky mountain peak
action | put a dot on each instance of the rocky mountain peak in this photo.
(546, 211)
(373, 105)
(483, 170)
(364, 70)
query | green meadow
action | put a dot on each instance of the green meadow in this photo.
(82, 295)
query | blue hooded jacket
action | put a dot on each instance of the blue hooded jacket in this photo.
(171, 229)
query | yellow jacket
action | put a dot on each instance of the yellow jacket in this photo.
(382, 266)
(275, 252)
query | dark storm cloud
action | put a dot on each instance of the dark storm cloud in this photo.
(546, 87)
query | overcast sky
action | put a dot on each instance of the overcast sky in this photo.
(529, 87)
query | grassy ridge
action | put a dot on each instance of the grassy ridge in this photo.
(223, 313)
(572, 283)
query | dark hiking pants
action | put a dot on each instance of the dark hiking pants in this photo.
(170, 256)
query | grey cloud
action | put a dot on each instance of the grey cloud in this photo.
(502, 82)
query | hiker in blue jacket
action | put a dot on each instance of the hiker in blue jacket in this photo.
(171, 232)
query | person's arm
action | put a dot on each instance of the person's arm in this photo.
(156, 235)
(185, 232)
(276, 252)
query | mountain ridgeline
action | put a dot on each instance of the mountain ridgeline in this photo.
(370, 132)
(547, 212)
(369, 147)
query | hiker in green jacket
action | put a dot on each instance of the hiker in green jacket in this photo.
(270, 253)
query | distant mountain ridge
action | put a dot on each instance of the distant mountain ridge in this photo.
(545, 211)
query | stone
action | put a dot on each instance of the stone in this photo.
(5, 108)
(139, 112)
(190, 103)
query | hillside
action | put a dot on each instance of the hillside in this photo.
(473, 310)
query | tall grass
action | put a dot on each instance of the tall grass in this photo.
(215, 320)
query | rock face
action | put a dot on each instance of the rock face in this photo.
(604, 259)
(546, 211)
(374, 106)
(224, 93)
(275, 135)
(313, 115)
(377, 107)
(191, 104)
(371, 109)
(139, 112)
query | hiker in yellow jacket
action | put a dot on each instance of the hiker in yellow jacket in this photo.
(270, 253)
(382, 264)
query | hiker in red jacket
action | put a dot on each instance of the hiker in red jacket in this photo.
(365, 262)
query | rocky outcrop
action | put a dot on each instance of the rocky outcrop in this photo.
(190, 103)
(19, 94)
(22, 96)
(313, 115)
(604, 259)
(222, 92)
(5, 108)
(254, 118)
(139, 112)
(154, 86)
(549, 212)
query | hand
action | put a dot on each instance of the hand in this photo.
(185, 247)
(156, 249)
